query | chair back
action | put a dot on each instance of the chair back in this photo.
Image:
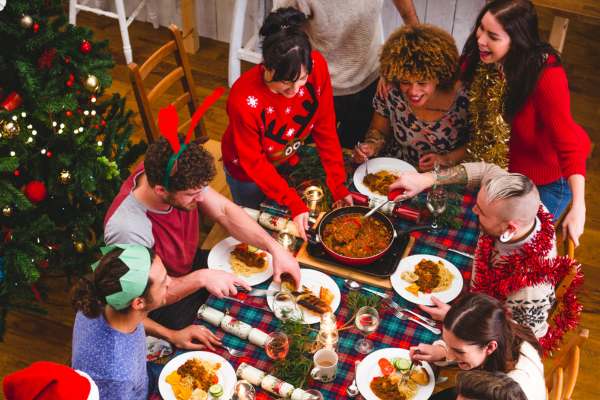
(182, 73)
(562, 368)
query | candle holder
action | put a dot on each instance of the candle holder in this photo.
(286, 240)
(313, 197)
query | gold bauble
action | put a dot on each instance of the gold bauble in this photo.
(9, 129)
(26, 21)
(7, 211)
(92, 83)
(79, 246)
(64, 177)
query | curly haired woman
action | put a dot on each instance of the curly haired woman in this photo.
(422, 119)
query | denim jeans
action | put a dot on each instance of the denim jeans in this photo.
(556, 196)
(245, 194)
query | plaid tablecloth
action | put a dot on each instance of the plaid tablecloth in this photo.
(392, 332)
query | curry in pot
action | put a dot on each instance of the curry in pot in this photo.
(351, 235)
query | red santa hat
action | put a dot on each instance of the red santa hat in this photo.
(44, 380)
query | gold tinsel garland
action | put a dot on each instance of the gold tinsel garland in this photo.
(491, 133)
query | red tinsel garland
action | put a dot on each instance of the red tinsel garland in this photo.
(528, 267)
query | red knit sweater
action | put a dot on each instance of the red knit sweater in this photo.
(266, 129)
(545, 142)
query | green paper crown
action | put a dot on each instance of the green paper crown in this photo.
(133, 283)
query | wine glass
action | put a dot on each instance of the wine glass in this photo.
(285, 307)
(437, 200)
(367, 321)
(313, 394)
(277, 345)
(243, 390)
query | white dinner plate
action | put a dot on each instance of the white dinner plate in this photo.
(392, 165)
(408, 264)
(225, 373)
(219, 256)
(369, 369)
(313, 280)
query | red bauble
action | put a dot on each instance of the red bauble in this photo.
(69, 113)
(85, 47)
(69, 83)
(35, 191)
(67, 59)
(17, 172)
(48, 154)
(47, 59)
(36, 27)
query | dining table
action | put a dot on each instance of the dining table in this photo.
(392, 331)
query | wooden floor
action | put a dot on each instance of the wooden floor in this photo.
(30, 338)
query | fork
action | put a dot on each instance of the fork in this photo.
(398, 308)
(400, 315)
(232, 351)
(366, 161)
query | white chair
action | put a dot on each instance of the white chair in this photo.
(124, 22)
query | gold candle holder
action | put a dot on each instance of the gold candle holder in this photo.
(313, 197)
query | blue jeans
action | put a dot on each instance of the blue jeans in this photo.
(556, 196)
(245, 194)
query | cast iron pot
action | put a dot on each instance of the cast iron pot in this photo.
(315, 235)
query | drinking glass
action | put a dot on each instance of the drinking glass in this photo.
(243, 390)
(313, 394)
(367, 321)
(437, 199)
(277, 345)
(285, 307)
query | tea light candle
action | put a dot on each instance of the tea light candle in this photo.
(286, 240)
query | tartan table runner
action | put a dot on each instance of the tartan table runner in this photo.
(392, 332)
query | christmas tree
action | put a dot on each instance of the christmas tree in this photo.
(64, 148)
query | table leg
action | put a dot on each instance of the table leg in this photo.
(190, 29)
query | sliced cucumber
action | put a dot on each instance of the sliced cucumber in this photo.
(401, 364)
(216, 390)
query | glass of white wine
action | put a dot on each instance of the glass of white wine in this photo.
(437, 200)
(367, 322)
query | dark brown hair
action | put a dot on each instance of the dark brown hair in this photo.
(526, 57)
(285, 46)
(89, 294)
(422, 52)
(487, 385)
(194, 168)
(478, 319)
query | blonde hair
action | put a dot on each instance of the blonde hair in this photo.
(519, 190)
(420, 52)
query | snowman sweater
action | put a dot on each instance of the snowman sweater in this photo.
(266, 130)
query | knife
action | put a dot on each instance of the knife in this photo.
(261, 292)
(440, 247)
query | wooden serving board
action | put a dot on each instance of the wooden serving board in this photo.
(304, 258)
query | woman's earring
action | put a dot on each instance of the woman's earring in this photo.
(506, 236)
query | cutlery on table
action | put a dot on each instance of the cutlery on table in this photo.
(440, 247)
(232, 351)
(352, 390)
(401, 315)
(260, 292)
(247, 304)
(398, 308)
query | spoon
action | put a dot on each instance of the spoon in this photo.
(352, 284)
(352, 390)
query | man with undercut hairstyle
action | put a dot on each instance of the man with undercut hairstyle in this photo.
(517, 239)
(159, 207)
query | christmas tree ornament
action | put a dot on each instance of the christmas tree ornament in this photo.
(47, 59)
(35, 191)
(67, 59)
(7, 211)
(12, 101)
(16, 172)
(36, 27)
(26, 21)
(69, 113)
(9, 129)
(64, 177)
(85, 47)
(92, 83)
(79, 246)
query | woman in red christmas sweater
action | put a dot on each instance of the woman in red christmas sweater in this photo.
(545, 143)
(273, 108)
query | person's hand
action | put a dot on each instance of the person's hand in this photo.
(383, 88)
(195, 337)
(428, 161)
(301, 221)
(362, 152)
(574, 222)
(427, 352)
(221, 283)
(439, 311)
(285, 263)
(412, 183)
(344, 202)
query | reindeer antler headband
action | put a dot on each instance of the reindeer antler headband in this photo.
(168, 123)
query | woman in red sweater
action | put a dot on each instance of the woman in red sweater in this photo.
(273, 108)
(545, 143)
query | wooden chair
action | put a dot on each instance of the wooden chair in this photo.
(562, 369)
(182, 73)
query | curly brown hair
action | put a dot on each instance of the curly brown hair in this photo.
(194, 168)
(420, 52)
